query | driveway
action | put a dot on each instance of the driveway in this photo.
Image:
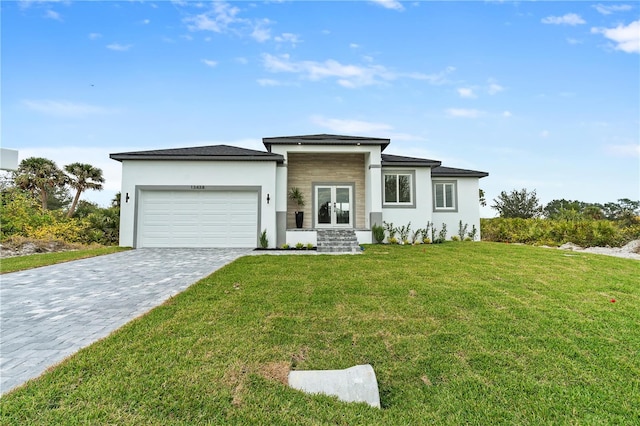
(49, 313)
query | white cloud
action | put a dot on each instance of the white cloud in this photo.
(463, 112)
(612, 8)
(350, 126)
(146, 21)
(494, 88)
(627, 38)
(354, 45)
(573, 41)
(544, 134)
(288, 38)
(507, 114)
(94, 36)
(436, 79)
(361, 127)
(466, 92)
(346, 75)
(268, 82)
(630, 150)
(389, 4)
(242, 60)
(209, 63)
(50, 14)
(261, 32)
(568, 19)
(218, 19)
(64, 108)
(224, 18)
(119, 47)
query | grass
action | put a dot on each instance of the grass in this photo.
(20, 263)
(458, 333)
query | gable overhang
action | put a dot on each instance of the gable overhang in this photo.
(325, 140)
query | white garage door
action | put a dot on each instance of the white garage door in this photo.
(197, 219)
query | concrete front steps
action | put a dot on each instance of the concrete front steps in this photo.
(338, 241)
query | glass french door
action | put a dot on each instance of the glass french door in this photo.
(334, 207)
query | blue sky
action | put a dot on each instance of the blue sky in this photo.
(542, 95)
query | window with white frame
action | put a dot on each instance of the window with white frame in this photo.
(444, 194)
(398, 188)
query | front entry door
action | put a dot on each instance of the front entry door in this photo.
(334, 207)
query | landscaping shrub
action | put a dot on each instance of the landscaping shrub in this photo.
(583, 232)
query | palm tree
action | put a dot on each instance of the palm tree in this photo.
(40, 176)
(83, 177)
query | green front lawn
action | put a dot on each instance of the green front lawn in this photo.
(458, 333)
(20, 263)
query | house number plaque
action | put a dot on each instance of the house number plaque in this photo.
(197, 186)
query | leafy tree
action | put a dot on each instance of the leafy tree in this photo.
(40, 176)
(593, 212)
(556, 208)
(115, 202)
(520, 204)
(483, 200)
(83, 177)
(59, 198)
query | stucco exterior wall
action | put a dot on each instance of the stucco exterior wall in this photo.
(304, 170)
(207, 174)
(421, 214)
(468, 210)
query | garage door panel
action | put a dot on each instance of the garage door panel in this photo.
(197, 219)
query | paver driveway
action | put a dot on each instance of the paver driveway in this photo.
(49, 313)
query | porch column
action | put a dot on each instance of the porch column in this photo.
(281, 204)
(374, 190)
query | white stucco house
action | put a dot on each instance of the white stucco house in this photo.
(225, 196)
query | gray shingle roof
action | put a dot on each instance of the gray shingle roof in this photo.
(212, 152)
(451, 172)
(324, 139)
(397, 160)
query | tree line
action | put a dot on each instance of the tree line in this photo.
(523, 219)
(524, 205)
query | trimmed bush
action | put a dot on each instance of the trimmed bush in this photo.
(585, 233)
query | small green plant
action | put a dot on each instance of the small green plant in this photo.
(378, 233)
(296, 196)
(264, 241)
(403, 231)
(455, 238)
(391, 230)
(415, 237)
(392, 240)
(442, 235)
(473, 233)
(309, 246)
(299, 246)
(285, 246)
(462, 230)
(426, 240)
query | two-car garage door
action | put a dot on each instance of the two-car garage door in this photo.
(197, 218)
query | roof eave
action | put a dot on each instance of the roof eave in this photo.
(410, 164)
(453, 174)
(274, 157)
(383, 143)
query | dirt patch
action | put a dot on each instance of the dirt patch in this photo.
(630, 250)
(278, 371)
(21, 246)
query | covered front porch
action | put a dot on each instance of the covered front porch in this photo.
(339, 179)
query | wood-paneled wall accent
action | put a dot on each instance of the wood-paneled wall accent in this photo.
(305, 169)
